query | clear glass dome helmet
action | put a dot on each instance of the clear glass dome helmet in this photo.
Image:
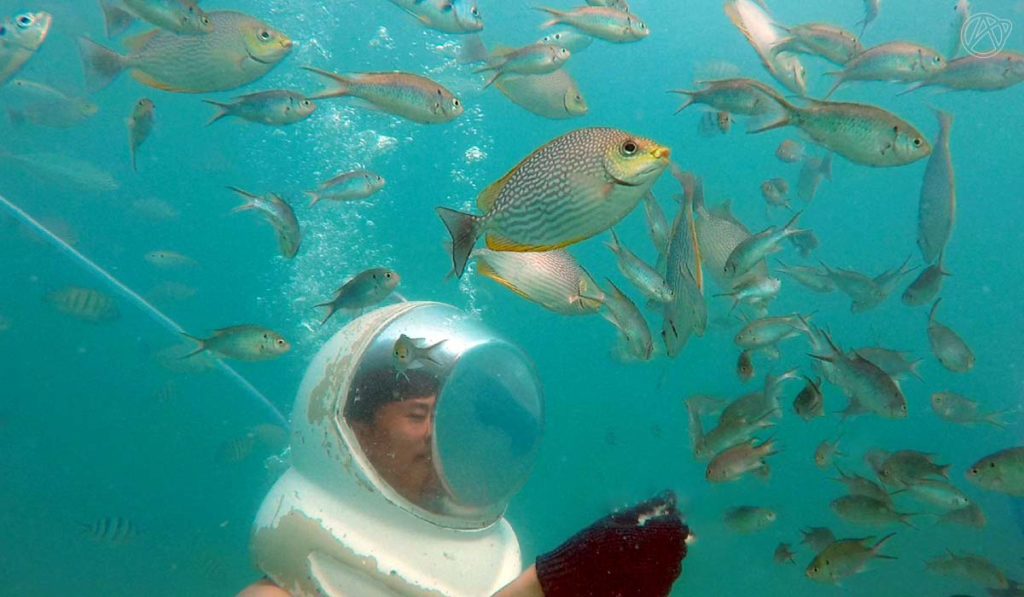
(413, 428)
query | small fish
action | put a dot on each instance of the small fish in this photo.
(236, 450)
(718, 233)
(65, 170)
(274, 108)
(169, 259)
(657, 224)
(869, 388)
(687, 313)
(572, 188)
(552, 279)
(622, 5)
(735, 462)
(113, 530)
(971, 516)
(746, 520)
(774, 191)
(810, 277)
(894, 362)
(757, 247)
(448, 16)
(867, 511)
(825, 453)
(140, 126)
(757, 292)
(963, 411)
(45, 106)
(20, 38)
(927, 286)
(813, 171)
(861, 133)
(745, 367)
(570, 39)
(350, 186)
(871, 10)
(605, 23)
(167, 292)
(405, 95)
(635, 341)
(947, 346)
(535, 59)
(733, 96)
(555, 95)
(784, 555)
(978, 73)
(771, 330)
(713, 124)
(939, 494)
(806, 242)
(364, 290)
(905, 467)
(276, 211)
(238, 51)
(1002, 472)
(835, 44)
(86, 304)
(961, 14)
(705, 405)
(845, 558)
(409, 353)
(970, 567)
(817, 538)
(858, 485)
(809, 404)
(936, 212)
(649, 282)
(893, 61)
(763, 34)
(791, 152)
(153, 208)
(243, 343)
(183, 17)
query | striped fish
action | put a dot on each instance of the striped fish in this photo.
(552, 279)
(576, 186)
(114, 530)
(85, 304)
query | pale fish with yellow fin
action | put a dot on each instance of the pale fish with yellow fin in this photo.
(183, 17)
(845, 558)
(407, 95)
(555, 95)
(239, 50)
(602, 22)
(140, 126)
(277, 107)
(409, 353)
(23, 35)
(576, 186)
(243, 343)
(861, 133)
(45, 106)
(552, 279)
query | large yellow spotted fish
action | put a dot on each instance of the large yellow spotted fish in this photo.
(572, 188)
(239, 50)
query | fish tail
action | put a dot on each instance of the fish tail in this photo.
(836, 86)
(331, 308)
(116, 20)
(314, 197)
(428, 352)
(473, 50)
(224, 110)
(343, 84)
(689, 101)
(465, 229)
(493, 78)
(201, 348)
(101, 65)
(935, 307)
(781, 122)
(558, 15)
(249, 198)
(132, 148)
(826, 167)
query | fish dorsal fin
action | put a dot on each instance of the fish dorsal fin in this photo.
(136, 43)
(485, 202)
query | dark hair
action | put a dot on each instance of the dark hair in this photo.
(378, 387)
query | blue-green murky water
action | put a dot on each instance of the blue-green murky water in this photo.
(93, 426)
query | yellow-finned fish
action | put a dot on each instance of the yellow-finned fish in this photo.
(609, 24)
(844, 558)
(140, 125)
(949, 348)
(20, 37)
(1002, 472)
(572, 188)
(410, 96)
(552, 279)
(86, 304)
(410, 352)
(365, 289)
(749, 519)
(243, 342)
(936, 211)
(860, 133)
(239, 50)
(554, 95)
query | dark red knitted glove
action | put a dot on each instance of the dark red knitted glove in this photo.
(636, 552)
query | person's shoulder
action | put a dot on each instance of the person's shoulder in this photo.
(263, 588)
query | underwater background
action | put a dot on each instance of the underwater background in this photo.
(97, 423)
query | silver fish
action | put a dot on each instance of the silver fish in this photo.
(936, 212)
(279, 214)
(20, 38)
(364, 290)
(949, 348)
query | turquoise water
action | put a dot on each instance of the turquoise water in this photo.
(93, 426)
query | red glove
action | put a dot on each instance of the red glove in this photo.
(635, 552)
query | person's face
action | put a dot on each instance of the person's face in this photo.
(398, 444)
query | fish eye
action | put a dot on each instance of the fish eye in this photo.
(306, 102)
(205, 20)
(474, 11)
(992, 464)
(264, 35)
(917, 142)
(24, 21)
(388, 275)
(456, 102)
(629, 147)
(280, 341)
